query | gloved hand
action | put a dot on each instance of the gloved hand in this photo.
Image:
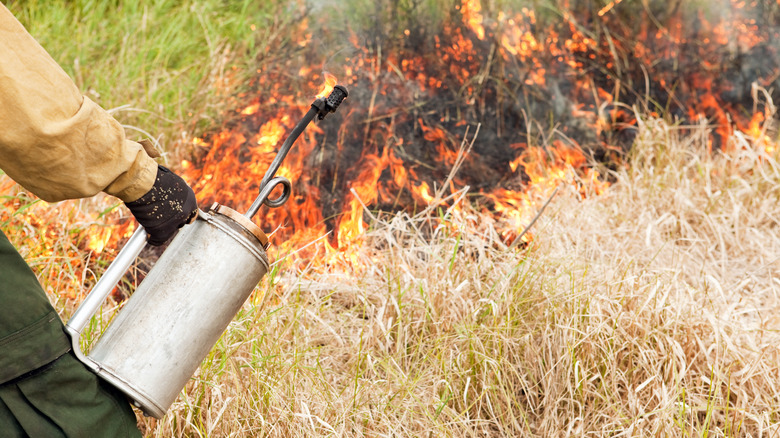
(166, 207)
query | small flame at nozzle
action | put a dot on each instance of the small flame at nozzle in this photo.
(329, 105)
(330, 82)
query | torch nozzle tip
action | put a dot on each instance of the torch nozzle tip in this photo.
(341, 88)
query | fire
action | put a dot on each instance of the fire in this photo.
(472, 15)
(553, 98)
(609, 7)
(62, 242)
(330, 82)
(98, 240)
(366, 190)
(387, 150)
(424, 192)
(251, 109)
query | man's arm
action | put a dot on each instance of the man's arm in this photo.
(60, 145)
(54, 141)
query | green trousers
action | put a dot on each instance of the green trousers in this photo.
(44, 390)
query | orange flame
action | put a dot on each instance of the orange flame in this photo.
(472, 14)
(227, 165)
(330, 82)
(609, 7)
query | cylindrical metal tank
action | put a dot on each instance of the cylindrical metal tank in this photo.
(159, 338)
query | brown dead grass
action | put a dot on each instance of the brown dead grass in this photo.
(651, 310)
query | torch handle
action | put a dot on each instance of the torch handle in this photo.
(107, 282)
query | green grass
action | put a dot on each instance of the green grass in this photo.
(165, 66)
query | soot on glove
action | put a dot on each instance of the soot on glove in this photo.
(166, 207)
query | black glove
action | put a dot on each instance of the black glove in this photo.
(166, 207)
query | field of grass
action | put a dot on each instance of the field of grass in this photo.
(648, 310)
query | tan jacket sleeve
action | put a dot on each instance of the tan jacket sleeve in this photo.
(54, 141)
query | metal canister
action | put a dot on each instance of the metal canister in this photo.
(159, 338)
(177, 314)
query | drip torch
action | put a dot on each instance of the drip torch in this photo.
(181, 308)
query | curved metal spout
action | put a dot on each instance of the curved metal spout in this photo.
(319, 108)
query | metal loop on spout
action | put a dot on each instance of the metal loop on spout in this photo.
(266, 190)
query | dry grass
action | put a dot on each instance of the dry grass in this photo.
(651, 310)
